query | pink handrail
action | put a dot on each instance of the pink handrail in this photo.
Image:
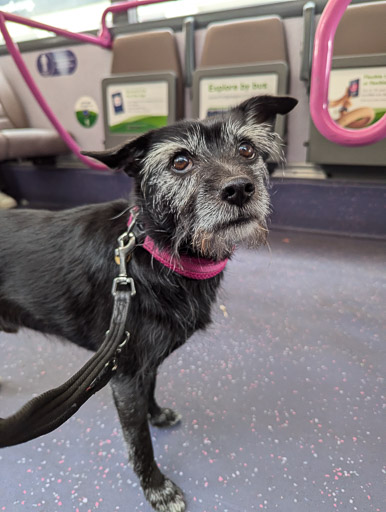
(103, 39)
(320, 77)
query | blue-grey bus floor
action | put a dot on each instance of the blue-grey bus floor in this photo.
(281, 397)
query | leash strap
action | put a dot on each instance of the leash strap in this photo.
(51, 409)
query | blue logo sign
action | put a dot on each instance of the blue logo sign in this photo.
(57, 63)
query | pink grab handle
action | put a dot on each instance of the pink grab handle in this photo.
(320, 78)
(103, 39)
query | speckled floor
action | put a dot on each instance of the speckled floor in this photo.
(281, 399)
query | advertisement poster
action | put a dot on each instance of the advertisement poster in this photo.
(137, 107)
(86, 111)
(57, 63)
(357, 97)
(219, 94)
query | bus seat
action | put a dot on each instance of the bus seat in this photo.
(361, 30)
(12, 114)
(17, 140)
(360, 43)
(244, 42)
(251, 49)
(149, 52)
(146, 56)
(32, 143)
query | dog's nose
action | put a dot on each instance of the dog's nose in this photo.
(238, 191)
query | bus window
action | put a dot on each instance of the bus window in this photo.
(85, 16)
(189, 7)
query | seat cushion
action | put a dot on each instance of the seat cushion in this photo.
(32, 142)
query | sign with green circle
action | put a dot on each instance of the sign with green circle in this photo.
(86, 111)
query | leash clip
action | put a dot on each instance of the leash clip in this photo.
(126, 243)
(123, 281)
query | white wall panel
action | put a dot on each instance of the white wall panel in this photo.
(62, 92)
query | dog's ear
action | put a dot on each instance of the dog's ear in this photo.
(126, 156)
(263, 109)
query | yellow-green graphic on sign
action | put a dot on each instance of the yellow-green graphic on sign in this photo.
(139, 124)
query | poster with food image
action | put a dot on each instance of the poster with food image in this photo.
(219, 94)
(357, 97)
(137, 107)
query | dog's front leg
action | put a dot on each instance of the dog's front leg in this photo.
(131, 400)
(160, 416)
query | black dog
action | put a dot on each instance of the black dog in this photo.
(200, 187)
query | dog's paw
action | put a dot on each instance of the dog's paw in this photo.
(166, 498)
(165, 417)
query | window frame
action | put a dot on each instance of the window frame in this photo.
(286, 9)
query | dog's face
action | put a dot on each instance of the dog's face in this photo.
(201, 185)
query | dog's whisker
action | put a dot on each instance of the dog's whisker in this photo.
(121, 214)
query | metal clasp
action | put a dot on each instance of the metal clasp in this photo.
(126, 244)
(123, 281)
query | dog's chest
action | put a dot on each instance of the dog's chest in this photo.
(174, 302)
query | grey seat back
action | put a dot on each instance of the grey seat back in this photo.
(243, 49)
(244, 42)
(149, 52)
(146, 56)
(362, 30)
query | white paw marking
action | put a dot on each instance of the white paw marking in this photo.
(168, 498)
(167, 418)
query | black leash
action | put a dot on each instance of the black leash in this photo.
(51, 409)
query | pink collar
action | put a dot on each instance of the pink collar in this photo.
(194, 268)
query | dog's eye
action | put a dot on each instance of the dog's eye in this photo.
(246, 150)
(182, 163)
